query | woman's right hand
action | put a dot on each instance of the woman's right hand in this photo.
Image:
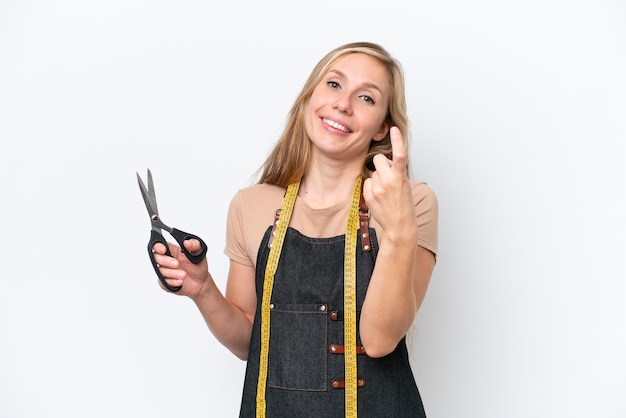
(177, 270)
(230, 320)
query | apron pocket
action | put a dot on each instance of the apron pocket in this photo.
(298, 347)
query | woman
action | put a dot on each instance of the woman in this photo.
(319, 310)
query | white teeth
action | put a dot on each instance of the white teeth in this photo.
(336, 125)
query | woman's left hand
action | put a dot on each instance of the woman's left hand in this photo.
(388, 192)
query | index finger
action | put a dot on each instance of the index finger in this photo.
(398, 150)
(159, 248)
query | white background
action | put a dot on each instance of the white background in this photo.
(518, 123)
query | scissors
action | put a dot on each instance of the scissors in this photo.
(149, 198)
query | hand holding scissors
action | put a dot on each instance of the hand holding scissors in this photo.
(149, 198)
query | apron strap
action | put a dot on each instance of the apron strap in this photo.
(364, 223)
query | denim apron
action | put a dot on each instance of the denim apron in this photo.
(306, 361)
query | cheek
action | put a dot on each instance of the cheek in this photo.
(375, 123)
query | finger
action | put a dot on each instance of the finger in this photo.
(398, 161)
(159, 248)
(381, 162)
(165, 261)
(171, 273)
(170, 283)
(192, 245)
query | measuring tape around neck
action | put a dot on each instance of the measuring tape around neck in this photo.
(268, 284)
(349, 303)
(349, 298)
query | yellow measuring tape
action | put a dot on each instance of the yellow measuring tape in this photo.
(349, 298)
(268, 284)
(349, 302)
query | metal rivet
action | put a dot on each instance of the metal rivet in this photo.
(271, 306)
(335, 384)
(333, 348)
(366, 247)
(323, 308)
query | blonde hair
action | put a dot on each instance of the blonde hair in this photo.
(289, 159)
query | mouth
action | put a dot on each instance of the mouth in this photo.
(336, 125)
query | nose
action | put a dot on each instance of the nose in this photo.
(342, 103)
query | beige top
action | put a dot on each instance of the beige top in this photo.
(252, 211)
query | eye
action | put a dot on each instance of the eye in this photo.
(368, 99)
(333, 85)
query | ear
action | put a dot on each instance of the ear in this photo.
(384, 130)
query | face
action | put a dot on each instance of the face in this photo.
(348, 107)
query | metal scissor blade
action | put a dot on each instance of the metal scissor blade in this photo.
(148, 197)
(152, 193)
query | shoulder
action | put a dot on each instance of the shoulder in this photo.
(250, 213)
(258, 195)
(258, 201)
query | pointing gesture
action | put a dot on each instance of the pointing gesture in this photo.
(388, 193)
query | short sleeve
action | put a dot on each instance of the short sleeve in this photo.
(250, 213)
(235, 241)
(427, 212)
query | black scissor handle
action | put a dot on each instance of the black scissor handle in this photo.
(154, 238)
(181, 237)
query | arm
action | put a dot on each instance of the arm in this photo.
(403, 268)
(228, 317)
(395, 293)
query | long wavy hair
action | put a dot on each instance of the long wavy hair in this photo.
(290, 158)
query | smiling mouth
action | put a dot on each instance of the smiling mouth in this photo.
(336, 125)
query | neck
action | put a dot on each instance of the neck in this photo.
(322, 191)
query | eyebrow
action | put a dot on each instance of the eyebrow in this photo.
(367, 84)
